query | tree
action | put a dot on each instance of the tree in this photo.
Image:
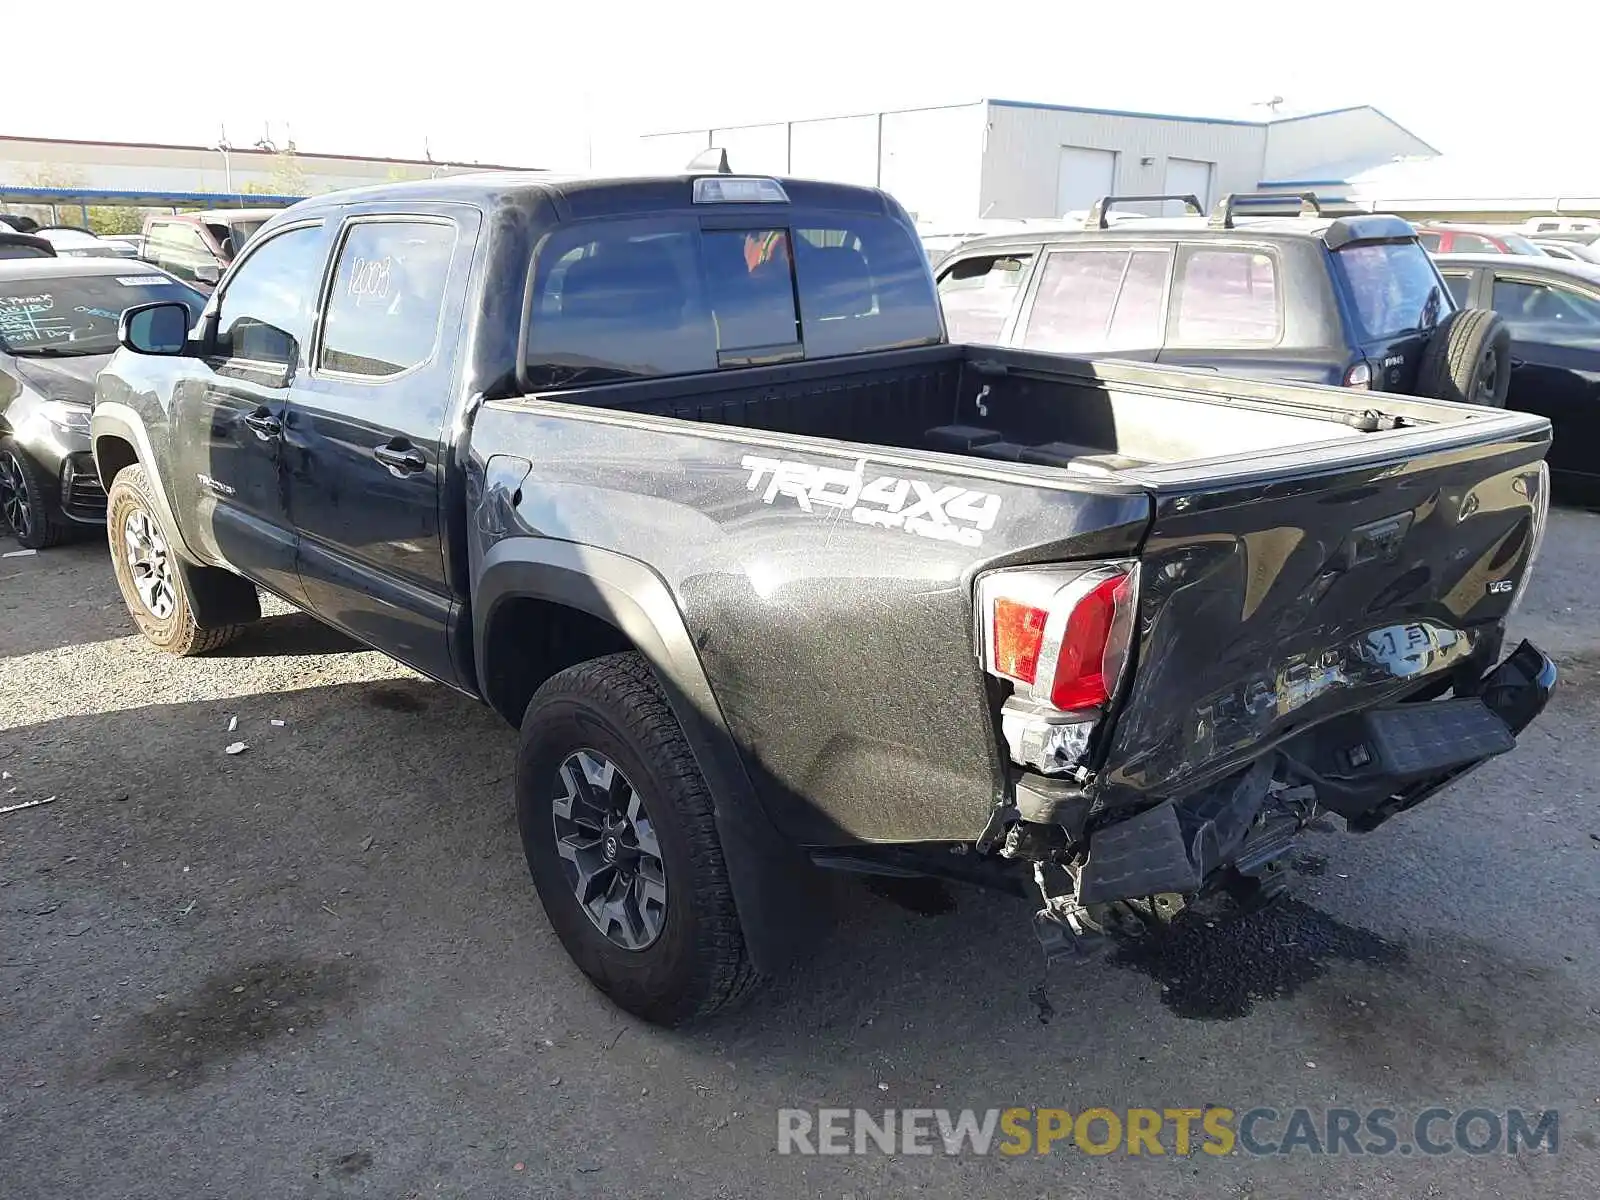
(285, 178)
(105, 218)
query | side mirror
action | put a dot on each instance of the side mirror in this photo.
(159, 328)
(208, 273)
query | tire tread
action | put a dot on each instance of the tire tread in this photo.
(624, 684)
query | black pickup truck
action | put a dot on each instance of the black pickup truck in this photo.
(682, 476)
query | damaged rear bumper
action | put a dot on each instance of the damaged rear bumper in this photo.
(1235, 836)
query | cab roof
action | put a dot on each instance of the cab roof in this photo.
(578, 196)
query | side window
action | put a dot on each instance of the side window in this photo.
(1540, 311)
(265, 315)
(1430, 240)
(1227, 297)
(979, 294)
(1073, 304)
(177, 246)
(1471, 243)
(1141, 304)
(388, 290)
(1460, 288)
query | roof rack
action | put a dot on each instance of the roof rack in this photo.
(1097, 218)
(712, 158)
(1222, 214)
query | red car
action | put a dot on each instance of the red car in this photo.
(1473, 239)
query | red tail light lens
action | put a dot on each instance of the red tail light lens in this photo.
(1080, 680)
(1064, 638)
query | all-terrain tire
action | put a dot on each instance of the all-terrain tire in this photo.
(175, 631)
(1467, 359)
(615, 707)
(37, 530)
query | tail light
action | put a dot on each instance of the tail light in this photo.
(1063, 638)
(1359, 377)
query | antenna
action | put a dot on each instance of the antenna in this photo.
(1271, 106)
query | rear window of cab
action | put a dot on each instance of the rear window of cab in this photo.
(623, 299)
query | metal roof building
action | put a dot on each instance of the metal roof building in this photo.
(1005, 158)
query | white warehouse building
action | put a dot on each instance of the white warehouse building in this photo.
(1006, 159)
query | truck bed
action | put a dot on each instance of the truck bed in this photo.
(1095, 418)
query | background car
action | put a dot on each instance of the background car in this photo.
(24, 245)
(1571, 251)
(1552, 309)
(71, 242)
(58, 327)
(198, 246)
(1351, 301)
(1451, 238)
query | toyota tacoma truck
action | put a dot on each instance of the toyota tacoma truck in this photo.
(683, 478)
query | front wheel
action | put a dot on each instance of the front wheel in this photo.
(620, 839)
(149, 574)
(22, 503)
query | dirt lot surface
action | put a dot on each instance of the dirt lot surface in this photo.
(317, 968)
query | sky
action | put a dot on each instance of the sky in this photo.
(570, 85)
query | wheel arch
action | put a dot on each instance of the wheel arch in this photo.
(589, 602)
(114, 432)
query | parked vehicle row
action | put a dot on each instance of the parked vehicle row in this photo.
(58, 328)
(683, 478)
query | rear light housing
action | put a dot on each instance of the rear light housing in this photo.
(1063, 638)
(1359, 377)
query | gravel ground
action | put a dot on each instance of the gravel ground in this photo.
(317, 968)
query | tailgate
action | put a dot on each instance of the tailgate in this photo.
(1281, 592)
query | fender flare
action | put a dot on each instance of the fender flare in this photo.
(764, 868)
(120, 421)
(217, 596)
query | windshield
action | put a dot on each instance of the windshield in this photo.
(1517, 244)
(1392, 287)
(72, 315)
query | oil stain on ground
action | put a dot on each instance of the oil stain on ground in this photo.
(393, 699)
(1217, 973)
(175, 1044)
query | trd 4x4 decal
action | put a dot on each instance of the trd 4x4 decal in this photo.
(948, 514)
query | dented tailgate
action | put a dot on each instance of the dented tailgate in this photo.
(1304, 590)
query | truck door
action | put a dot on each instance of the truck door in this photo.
(229, 409)
(365, 442)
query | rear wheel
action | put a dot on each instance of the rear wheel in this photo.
(22, 499)
(622, 845)
(1468, 359)
(148, 573)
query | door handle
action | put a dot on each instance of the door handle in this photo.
(263, 424)
(1518, 362)
(400, 457)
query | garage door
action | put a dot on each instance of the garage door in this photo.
(1187, 176)
(1082, 177)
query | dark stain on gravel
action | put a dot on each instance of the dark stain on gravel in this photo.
(393, 699)
(925, 897)
(1218, 973)
(173, 1045)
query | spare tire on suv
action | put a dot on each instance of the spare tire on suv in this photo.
(1468, 359)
